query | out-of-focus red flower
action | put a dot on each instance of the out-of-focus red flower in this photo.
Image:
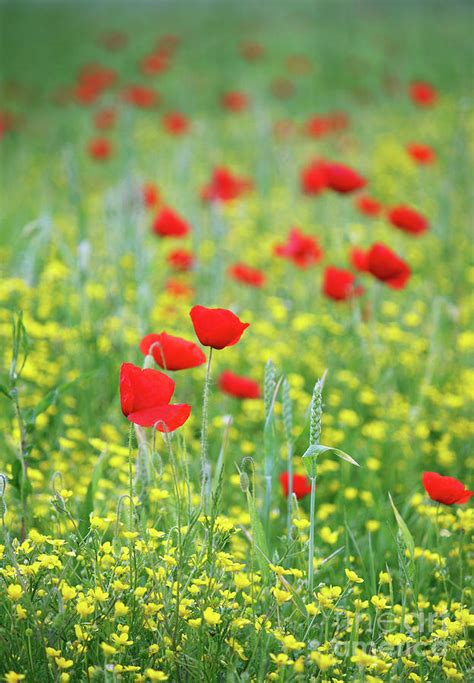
(168, 223)
(238, 386)
(172, 353)
(216, 327)
(338, 120)
(154, 63)
(151, 195)
(298, 64)
(181, 259)
(423, 94)
(422, 154)
(343, 179)
(235, 101)
(175, 123)
(317, 126)
(179, 289)
(92, 80)
(141, 97)
(283, 129)
(251, 50)
(338, 284)
(8, 122)
(313, 178)
(387, 267)
(100, 149)
(301, 486)
(446, 490)
(367, 205)
(358, 259)
(225, 186)
(167, 42)
(145, 398)
(105, 119)
(246, 274)
(407, 219)
(282, 88)
(302, 250)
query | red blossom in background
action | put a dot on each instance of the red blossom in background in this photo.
(235, 101)
(367, 205)
(301, 486)
(168, 223)
(171, 352)
(313, 178)
(446, 490)
(181, 259)
(247, 275)
(302, 250)
(251, 50)
(225, 186)
(179, 289)
(387, 267)
(105, 119)
(151, 195)
(343, 179)
(216, 327)
(338, 284)
(421, 154)
(145, 398)
(175, 123)
(407, 219)
(100, 149)
(154, 63)
(238, 386)
(423, 94)
(141, 97)
(358, 259)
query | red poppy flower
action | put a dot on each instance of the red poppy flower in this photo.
(317, 126)
(423, 94)
(446, 490)
(175, 123)
(367, 205)
(179, 289)
(422, 154)
(338, 284)
(343, 179)
(358, 259)
(387, 267)
(172, 353)
(105, 119)
(225, 186)
(216, 327)
(313, 178)
(141, 97)
(302, 249)
(145, 397)
(151, 195)
(180, 259)
(167, 223)
(238, 386)
(251, 50)
(246, 274)
(337, 120)
(100, 149)
(154, 63)
(235, 101)
(301, 485)
(407, 219)
(113, 40)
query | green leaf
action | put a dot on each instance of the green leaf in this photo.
(259, 539)
(406, 535)
(88, 505)
(298, 602)
(4, 390)
(19, 480)
(318, 449)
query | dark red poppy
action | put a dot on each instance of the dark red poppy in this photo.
(247, 275)
(238, 386)
(151, 195)
(358, 259)
(113, 40)
(313, 178)
(105, 119)
(367, 205)
(168, 223)
(302, 250)
(179, 289)
(338, 284)
(282, 88)
(407, 219)
(172, 353)
(235, 101)
(338, 120)
(141, 97)
(317, 126)
(301, 486)
(100, 149)
(154, 63)
(175, 123)
(181, 259)
(423, 94)
(216, 327)
(422, 154)
(225, 186)
(145, 398)
(446, 490)
(387, 267)
(343, 179)
(251, 50)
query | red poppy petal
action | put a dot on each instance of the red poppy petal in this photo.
(166, 418)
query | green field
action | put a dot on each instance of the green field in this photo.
(226, 577)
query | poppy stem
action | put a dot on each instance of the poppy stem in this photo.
(205, 465)
(130, 474)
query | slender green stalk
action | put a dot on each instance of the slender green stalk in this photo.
(205, 464)
(130, 474)
(314, 436)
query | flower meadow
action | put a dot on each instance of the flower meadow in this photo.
(236, 374)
